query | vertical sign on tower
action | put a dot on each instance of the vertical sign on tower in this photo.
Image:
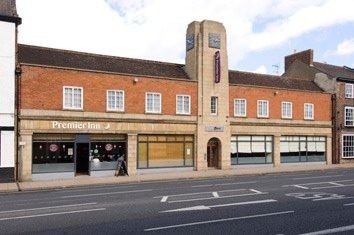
(217, 66)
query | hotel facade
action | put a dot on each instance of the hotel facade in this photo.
(80, 112)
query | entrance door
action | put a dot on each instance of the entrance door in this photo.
(213, 152)
(82, 158)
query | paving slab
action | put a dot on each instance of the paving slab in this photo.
(163, 176)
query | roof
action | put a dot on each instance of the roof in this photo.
(78, 60)
(35, 55)
(264, 80)
(8, 8)
(335, 71)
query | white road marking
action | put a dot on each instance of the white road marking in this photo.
(110, 193)
(331, 230)
(202, 207)
(203, 185)
(188, 194)
(335, 183)
(49, 207)
(218, 220)
(224, 184)
(335, 186)
(164, 199)
(300, 186)
(317, 177)
(51, 214)
(256, 191)
(215, 194)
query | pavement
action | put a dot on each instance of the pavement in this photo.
(174, 174)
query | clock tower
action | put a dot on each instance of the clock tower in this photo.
(207, 63)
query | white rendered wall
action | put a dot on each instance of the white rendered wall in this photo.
(7, 73)
(7, 91)
(7, 149)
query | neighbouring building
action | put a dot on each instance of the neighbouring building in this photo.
(339, 81)
(80, 112)
(9, 21)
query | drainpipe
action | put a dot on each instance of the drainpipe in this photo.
(17, 109)
(335, 158)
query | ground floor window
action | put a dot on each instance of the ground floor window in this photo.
(104, 154)
(165, 151)
(53, 153)
(251, 149)
(53, 156)
(348, 146)
(302, 149)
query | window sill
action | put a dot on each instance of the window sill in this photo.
(69, 109)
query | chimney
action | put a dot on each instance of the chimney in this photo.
(305, 57)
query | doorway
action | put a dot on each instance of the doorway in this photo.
(82, 158)
(213, 152)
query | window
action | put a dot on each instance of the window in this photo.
(153, 102)
(302, 149)
(72, 98)
(286, 110)
(165, 151)
(348, 146)
(115, 100)
(214, 105)
(251, 149)
(52, 156)
(349, 90)
(183, 104)
(105, 154)
(262, 108)
(240, 106)
(349, 116)
(308, 111)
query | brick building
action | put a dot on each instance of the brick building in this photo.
(338, 81)
(80, 112)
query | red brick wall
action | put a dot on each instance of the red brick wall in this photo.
(321, 101)
(304, 56)
(42, 88)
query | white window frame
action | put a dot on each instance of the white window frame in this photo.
(243, 112)
(72, 98)
(306, 117)
(214, 112)
(153, 104)
(349, 87)
(287, 114)
(345, 115)
(349, 146)
(116, 109)
(259, 103)
(183, 102)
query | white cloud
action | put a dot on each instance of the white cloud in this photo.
(346, 47)
(155, 29)
(261, 69)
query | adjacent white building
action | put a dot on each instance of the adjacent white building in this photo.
(8, 30)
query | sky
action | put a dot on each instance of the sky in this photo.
(259, 32)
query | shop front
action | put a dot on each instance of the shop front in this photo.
(68, 155)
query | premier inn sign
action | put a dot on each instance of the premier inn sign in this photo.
(79, 125)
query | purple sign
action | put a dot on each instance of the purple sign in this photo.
(217, 66)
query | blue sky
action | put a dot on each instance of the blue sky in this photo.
(260, 32)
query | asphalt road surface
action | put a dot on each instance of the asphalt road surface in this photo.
(317, 202)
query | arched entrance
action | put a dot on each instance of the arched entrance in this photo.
(213, 152)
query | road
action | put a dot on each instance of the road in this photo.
(317, 202)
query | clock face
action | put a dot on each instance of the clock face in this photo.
(214, 40)
(190, 42)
